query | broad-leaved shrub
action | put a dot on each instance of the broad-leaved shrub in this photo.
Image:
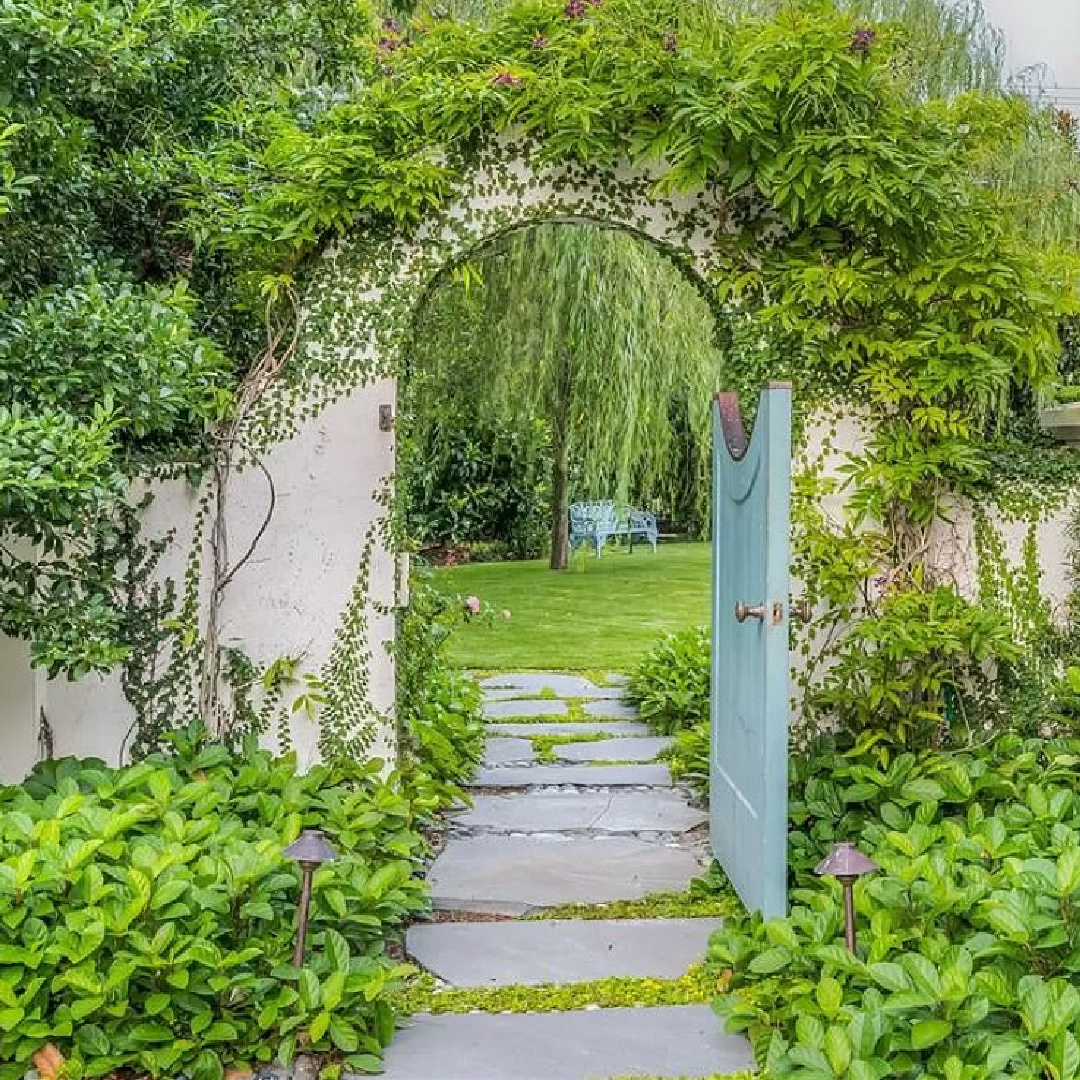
(670, 686)
(968, 960)
(147, 915)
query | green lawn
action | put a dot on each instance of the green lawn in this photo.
(599, 614)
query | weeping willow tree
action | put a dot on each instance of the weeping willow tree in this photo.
(593, 331)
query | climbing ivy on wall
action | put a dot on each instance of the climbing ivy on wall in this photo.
(783, 158)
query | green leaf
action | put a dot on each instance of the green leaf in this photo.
(926, 1033)
(92, 1040)
(319, 1026)
(150, 1033)
(207, 1067)
(770, 961)
(365, 1063)
(830, 996)
(1064, 1056)
(156, 1003)
(310, 996)
(333, 990)
(838, 1049)
(11, 1018)
(890, 976)
(1068, 871)
(343, 1036)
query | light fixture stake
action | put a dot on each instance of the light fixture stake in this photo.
(847, 864)
(311, 849)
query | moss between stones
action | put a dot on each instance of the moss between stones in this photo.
(715, 1076)
(700, 983)
(544, 745)
(656, 906)
(569, 718)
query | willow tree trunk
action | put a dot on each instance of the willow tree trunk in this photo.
(560, 469)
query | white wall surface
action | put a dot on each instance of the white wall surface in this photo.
(18, 731)
(287, 601)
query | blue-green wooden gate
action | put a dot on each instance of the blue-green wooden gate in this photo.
(750, 664)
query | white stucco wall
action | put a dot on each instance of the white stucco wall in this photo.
(286, 601)
(289, 598)
(18, 730)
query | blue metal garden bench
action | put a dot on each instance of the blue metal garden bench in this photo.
(598, 522)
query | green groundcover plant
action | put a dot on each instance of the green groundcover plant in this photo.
(147, 914)
(670, 685)
(968, 963)
(440, 724)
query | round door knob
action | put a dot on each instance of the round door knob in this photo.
(744, 611)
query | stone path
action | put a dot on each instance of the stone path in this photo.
(604, 823)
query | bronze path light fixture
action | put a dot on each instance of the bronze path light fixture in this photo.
(847, 864)
(310, 849)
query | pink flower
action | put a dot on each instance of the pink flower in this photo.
(472, 605)
(575, 9)
(540, 42)
(508, 78)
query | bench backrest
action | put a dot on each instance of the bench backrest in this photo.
(588, 517)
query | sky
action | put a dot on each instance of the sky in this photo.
(1043, 31)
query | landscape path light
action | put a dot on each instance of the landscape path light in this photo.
(310, 849)
(847, 864)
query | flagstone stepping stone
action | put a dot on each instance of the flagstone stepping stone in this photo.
(614, 749)
(535, 682)
(560, 950)
(588, 1044)
(514, 874)
(617, 811)
(611, 710)
(501, 695)
(597, 693)
(624, 728)
(510, 776)
(500, 751)
(542, 707)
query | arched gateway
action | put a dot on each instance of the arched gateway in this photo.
(330, 545)
(799, 164)
(311, 574)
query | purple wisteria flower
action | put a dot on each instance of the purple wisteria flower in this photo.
(392, 39)
(862, 39)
